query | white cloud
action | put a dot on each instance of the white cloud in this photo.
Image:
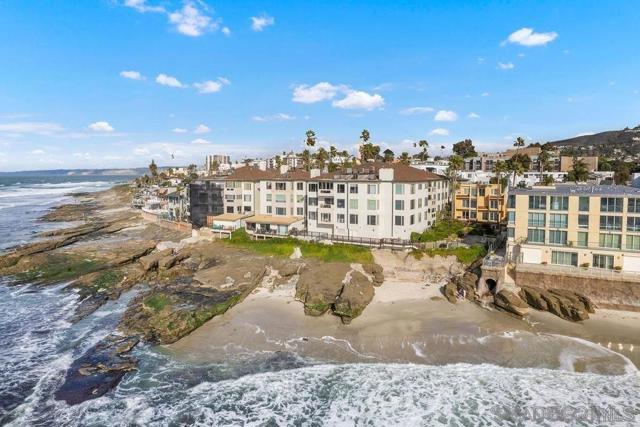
(38, 152)
(201, 129)
(259, 23)
(166, 80)
(356, 99)
(445, 116)
(521, 55)
(101, 127)
(506, 66)
(527, 37)
(200, 141)
(416, 110)
(141, 152)
(480, 60)
(192, 21)
(179, 130)
(280, 117)
(212, 86)
(584, 134)
(84, 156)
(439, 132)
(226, 31)
(485, 94)
(38, 128)
(133, 75)
(143, 7)
(473, 116)
(310, 94)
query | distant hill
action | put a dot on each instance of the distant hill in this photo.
(627, 140)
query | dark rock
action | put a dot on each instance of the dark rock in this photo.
(376, 271)
(319, 286)
(150, 262)
(468, 283)
(355, 296)
(564, 304)
(510, 302)
(98, 370)
(534, 298)
(170, 261)
(450, 291)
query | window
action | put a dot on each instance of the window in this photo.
(313, 187)
(353, 203)
(300, 186)
(558, 220)
(538, 202)
(269, 210)
(353, 219)
(340, 188)
(634, 205)
(281, 198)
(268, 185)
(412, 204)
(583, 204)
(399, 220)
(247, 197)
(511, 232)
(340, 218)
(511, 201)
(633, 243)
(399, 205)
(313, 216)
(313, 201)
(268, 197)
(372, 205)
(326, 185)
(412, 189)
(559, 203)
(340, 203)
(281, 185)
(281, 211)
(511, 217)
(372, 219)
(481, 192)
(493, 204)
(583, 239)
(325, 217)
(420, 202)
(300, 199)
(372, 188)
(610, 223)
(557, 237)
(633, 223)
(411, 220)
(353, 189)
(610, 241)
(300, 211)
(399, 188)
(536, 219)
(583, 221)
(564, 258)
(610, 204)
(465, 203)
(247, 186)
(603, 261)
(535, 235)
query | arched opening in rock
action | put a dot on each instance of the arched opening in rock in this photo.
(491, 285)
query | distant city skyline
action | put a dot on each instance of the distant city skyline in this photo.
(116, 83)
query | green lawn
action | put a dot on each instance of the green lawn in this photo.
(441, 231)
(284, 248)
(464, 255)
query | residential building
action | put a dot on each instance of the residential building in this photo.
(480, 203)
(205, 199)
(242, 189)
(595, 227)
(178, 208)
(216, 159)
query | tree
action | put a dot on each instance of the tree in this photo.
(278, 161)
(622, 175)
(153, 169)
(547, 180)
(517, 165)
(604, 164)
(456, 163)
(369, 151)
(442, 147)
(519, 143)
(465, 149)
(388, 155)
(424, 146)
(306, 159)
(364, 136)
(310, 140)
(333, 153)
(579, 171)
(321, 157)
(404, 158)
(500, 168)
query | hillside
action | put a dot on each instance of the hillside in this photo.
(627, 140)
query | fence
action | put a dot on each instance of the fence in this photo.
(378, 243)
(590, 272)
(165, 223)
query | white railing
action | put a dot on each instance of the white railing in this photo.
(592, 272)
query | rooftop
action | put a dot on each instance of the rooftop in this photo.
(580, 190)
(271, 219)
(371, 172)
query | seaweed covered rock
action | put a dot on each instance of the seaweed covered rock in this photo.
(319, 286)
(356, 294)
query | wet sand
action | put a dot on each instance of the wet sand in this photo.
(412, 323)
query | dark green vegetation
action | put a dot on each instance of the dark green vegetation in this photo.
(285, 247)
(59, 269)
(466, 255)
(442, 230)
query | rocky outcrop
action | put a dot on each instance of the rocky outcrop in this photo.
(450, 292)
(151, 261)
(98, 370)
(467, 282)
(376, 271)
(511, 302)
(356, 294)
(565, 304)
(320, 285)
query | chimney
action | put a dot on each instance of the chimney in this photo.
(284, 169)
(385, 174)
(262, 165)
(314, 173)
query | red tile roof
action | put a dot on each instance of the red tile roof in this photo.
(401, 173)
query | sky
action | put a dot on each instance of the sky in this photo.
(116, 83)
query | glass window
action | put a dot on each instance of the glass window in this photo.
(353, 189)
(558, 220)
(313, 215)
(313, 187)
(269, 210)
(340, 188)
(511, 217)
(610, 223)
(634, 205)
(511, 232)
(313, 201)
(340, 203)
(536, 219)
(268, 197)
(583, 204)
(557, 237)
(325, 217)
(538, 202)
(353, 219)
(372, 188)
(399, 188)
(564, 258)
(353, 203)
(300, 211)
(610, 241)
(300, 186)
(559, 203)
(583, 221)
(372, 219)
(399, 220)
(633, 243)
(399, 205)
(603, 261)
(583, 239)
(633, 223)
(340, 218)
(281, 198)
(411, 220)
(511, 201)
(611, 204)
(535, 235)
(281, 185)
(281, 211)
(412, 204)
(372, 205)
(247, 186)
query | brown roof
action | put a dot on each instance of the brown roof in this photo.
(401, 173)
(295, 175)
(251, 173)
(271, 219)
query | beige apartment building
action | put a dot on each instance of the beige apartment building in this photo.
(478, 202)
(593, 227)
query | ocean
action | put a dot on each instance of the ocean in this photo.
(38, 342)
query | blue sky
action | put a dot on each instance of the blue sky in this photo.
(114, 83)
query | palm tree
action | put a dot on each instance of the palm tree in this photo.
(388, 155)
(547, 180)
(519, 143)
(499, 169)
(311, 138)
(321, 157)
(364, 136)
(516, 168)
(442, 151)
(579, 171)
(306, 159)
(543, 163)
(153, 168)
(404, 158)
(424, 145)
(456, 163)
(333, 153)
